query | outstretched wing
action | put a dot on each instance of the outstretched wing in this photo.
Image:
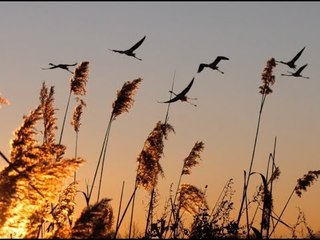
(176, 98)
(218, 59)
(134, 47)
(300, 69)
(184, 91)
(70, 65)
(117, 51)
(201, 67)
(297, 56)
(182, 94)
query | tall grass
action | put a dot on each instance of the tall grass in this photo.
(265, 89)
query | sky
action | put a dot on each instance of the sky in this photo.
(179, 36)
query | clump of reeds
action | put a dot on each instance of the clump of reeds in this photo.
(95, 221)
(33, 178)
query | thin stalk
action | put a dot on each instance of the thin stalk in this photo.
(120, 204)
(124, 213)
(98, 164)
(75, 156)
(149, 213)
(65, 116)
(244, 198)
(174, 202)
(284, 208)
(271, 184)
(132, 208)
(104, 156)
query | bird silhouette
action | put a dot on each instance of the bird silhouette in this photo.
(182, 95)
(130, 51)
(63, 66)
(291, 63)
(297, 73)
(212, 65)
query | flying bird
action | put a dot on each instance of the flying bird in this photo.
(130, 51)
(212, 65)
(182, 95)
(297, 73)
(291, 63)
(63, 66)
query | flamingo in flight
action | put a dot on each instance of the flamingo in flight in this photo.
(297, 73)
(212, 65)
(291, 63)
(182, 95)
(63, 66)
(130, 51)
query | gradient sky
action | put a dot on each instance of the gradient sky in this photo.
(179, 36)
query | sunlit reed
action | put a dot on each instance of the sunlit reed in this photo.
(27, 193)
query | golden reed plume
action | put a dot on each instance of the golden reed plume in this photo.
(124, 99)
(62, 213)
(80, 79)
(34, 178)
(192, 159)
(191, 199)
(148, 160)
(95, 221)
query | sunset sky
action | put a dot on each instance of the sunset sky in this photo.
(179, 36)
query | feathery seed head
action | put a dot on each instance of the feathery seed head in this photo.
(124, 99)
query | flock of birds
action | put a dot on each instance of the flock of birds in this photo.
(182, 96)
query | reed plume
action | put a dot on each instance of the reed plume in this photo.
(267, 80)
(62, 213)
(191, 199)
(148, 161)
(4, 101)
(306, 181)
(78, 84)
(95, 221)
(125, 99)
(76, 117)
(192, 159)
(123, 103)
(80, 79)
